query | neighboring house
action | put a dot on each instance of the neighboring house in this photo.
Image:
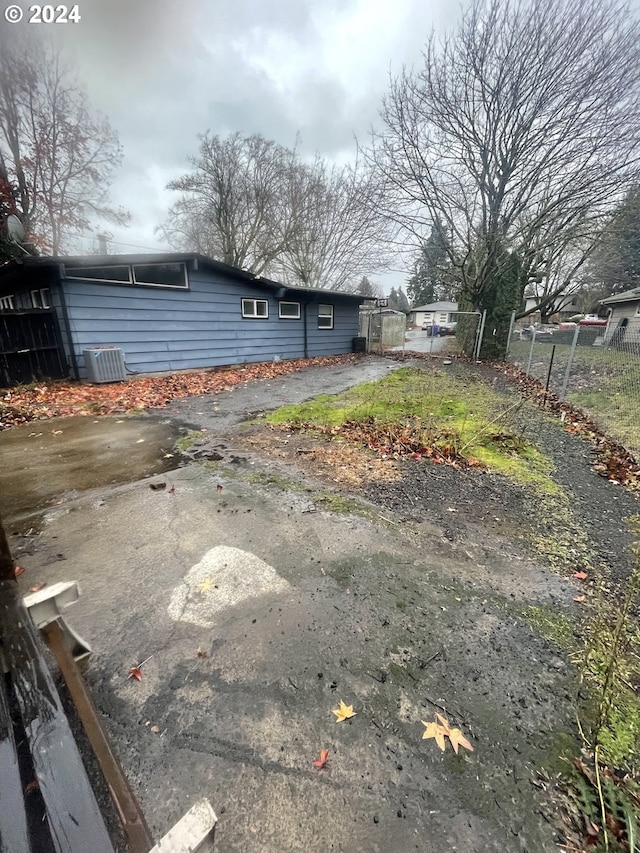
(624, 320)
(436, 313)
(567, 307)
(165, 312)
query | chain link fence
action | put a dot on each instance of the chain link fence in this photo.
(589, 367)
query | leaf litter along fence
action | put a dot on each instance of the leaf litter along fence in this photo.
(593, 369)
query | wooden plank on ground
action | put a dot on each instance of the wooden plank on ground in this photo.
(75, 821)
(191, 831)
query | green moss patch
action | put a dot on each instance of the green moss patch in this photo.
(432, 414)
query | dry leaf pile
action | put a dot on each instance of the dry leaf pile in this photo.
(58, 399)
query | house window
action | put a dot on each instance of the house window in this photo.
(289, 310)
(325, 316)
(6, 303)
(121, 274)
(255, 308)
(146, 275)
(40, 298)
(161, 275)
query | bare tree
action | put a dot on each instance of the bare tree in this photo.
(338, 234)
(57, 155)
(518, 133)
(254, 204)
(234, 204)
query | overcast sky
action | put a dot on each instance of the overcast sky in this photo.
(166, 70)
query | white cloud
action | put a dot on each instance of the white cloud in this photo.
(165, 71)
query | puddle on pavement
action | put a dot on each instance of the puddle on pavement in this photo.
(44, 460)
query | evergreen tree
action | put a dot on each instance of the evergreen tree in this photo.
(432, 278)
(615, 265)
(402, 301)
(365, 288)
(393, 299)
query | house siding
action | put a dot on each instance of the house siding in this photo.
(623, 310)
(164, 329)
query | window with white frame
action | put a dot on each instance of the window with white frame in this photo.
(255, 309)
(289, 310)
(171, 274)
(325, 316)
(161, 275)
(6, 303)
(118, 273)
(41, 298)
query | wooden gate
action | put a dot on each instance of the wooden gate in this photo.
(30, 347)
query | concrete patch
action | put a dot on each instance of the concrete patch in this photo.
(223, 578)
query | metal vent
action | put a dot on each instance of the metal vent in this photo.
(104, 364)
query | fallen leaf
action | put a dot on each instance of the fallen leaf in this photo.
(140, 441)
(433, 730)
(37, 587)
(157, 486)
(172, 490)
(440, 729)
(580, 598)
(202, 653)
(135, 672)
(56, 432)
(218, 488)
(155, 729)
(206, 585)
(343, 712)
(322, 759)
(458, 739)
(580, 576)
(19, 570)
(31, 787)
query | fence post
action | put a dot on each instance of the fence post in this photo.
(572, 352)
(480, 335)
(512, 323)
(533, 341)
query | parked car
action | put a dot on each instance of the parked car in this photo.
(447, 329)
(543, 331)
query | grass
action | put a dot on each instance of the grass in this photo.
(604, 383)
(464, 418)
(188, 440)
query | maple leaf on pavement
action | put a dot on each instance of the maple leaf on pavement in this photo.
(433, 730)
(580, 575)
(206, 585)
(135, 672)
(322, 759)
(458, 739)
(441, 730)
(343, 712)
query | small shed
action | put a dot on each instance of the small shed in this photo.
(435, 313)
(624, 320)
(159, 313)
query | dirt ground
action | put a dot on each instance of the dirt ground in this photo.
(274, 575)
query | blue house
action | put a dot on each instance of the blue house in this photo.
(158, 313)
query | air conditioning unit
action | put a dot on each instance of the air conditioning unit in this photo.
(104, 364)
